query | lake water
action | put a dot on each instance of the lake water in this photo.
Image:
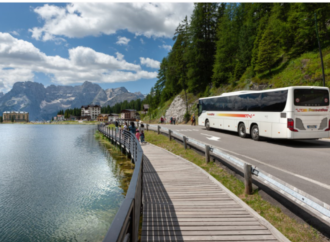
(57, 183)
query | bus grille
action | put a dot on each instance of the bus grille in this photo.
(299, 124)
(323, 124)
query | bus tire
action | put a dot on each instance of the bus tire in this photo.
(242, 130)
(255, 133)
(207, 125)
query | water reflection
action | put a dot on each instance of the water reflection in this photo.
(58, 183)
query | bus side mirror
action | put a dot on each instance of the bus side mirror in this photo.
(197, 105)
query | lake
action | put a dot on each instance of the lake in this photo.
(58, 183)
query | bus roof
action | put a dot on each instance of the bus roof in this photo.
(260, 91)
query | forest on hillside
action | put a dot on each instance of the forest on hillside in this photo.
(222, 42)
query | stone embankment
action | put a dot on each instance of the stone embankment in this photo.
(177, 110)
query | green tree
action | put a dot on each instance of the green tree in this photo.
(268, 51)
(202, 46)
(1, 119)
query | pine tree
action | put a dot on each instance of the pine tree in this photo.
(202, 46)
(268, 51)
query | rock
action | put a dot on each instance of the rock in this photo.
(177, 110)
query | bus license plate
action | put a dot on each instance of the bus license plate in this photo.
(311, 126)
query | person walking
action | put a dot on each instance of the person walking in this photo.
(132, 128)
(137, 134)
(193, 120)
(174, 119)
(142, 137)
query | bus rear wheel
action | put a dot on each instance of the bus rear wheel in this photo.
(255, 133)
(207, 125)
(242, 130)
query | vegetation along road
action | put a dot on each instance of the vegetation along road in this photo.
(303, 164)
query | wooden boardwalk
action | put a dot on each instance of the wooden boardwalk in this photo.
(181, 202)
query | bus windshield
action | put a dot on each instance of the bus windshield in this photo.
(311, 97)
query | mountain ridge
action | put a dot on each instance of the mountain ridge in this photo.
(44, 102)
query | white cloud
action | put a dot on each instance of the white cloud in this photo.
(122, 40)
(166, 47)
(150, 62)
(19, 60)
(14, 33)
(142, 41)
(77, 20)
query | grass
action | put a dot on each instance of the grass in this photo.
(291, 228)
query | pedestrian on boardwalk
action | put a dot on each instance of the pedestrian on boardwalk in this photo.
(141, 127)
(132, 128)
(171, 120)
(125, 126)
(174, 119)
(137, 134)
(142, 136)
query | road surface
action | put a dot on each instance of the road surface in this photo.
(303, 164)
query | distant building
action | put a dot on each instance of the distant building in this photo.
(84, 118)
(16, 116)
(91, 110)
(102, 117)
(145, 108)
(113, 117)
(59, 117)
(128, 114)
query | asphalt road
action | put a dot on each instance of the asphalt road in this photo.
(303, 164)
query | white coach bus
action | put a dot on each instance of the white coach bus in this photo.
(283, 113)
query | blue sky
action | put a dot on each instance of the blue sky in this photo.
(112, 44)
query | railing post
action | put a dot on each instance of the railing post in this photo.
(185, 142)
(147, 127)
(207, 153)
(170, 134)
(248, 179)
(158, 129)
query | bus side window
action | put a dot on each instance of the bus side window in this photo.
(240, 103)
(253, 102)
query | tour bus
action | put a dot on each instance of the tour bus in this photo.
(300, 112)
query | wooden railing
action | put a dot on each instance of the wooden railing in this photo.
(125, 226)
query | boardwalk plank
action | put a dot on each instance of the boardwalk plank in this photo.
(181, 203)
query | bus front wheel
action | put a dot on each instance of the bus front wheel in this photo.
(241, 130)
(255, 133)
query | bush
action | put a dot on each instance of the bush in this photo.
(186, 117)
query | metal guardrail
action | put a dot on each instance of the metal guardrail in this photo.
(125, 226)
(312, 204)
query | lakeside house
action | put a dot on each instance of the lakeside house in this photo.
(91, 110)
(59, 117)
(15, 116)
(128, 114)
(113, 117)
(102, 117)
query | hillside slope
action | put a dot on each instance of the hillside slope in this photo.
(305, 70)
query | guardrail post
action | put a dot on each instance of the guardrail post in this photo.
(247, 179)
(158, 129)
(207, 153)
(185, 142)
(147, 127)
(170, 134)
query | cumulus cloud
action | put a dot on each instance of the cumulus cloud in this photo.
(122, 40)
(77, 20)
(166, 47)
(19, 60)
(150, 62)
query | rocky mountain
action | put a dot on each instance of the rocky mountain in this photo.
(43, 103)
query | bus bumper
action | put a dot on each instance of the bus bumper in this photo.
(308, 135)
